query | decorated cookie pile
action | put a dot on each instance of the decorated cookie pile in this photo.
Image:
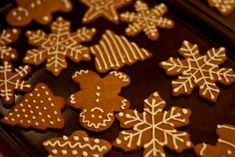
(100, 100)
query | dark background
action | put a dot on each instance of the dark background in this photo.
(191, 23)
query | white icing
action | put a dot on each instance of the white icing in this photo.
(115, 51)
(97, 125)
(121, 76)
(146, 126)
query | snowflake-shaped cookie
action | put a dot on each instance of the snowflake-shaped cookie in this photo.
(146, 20)
(12, 80)
(37, 10)
(104, 8)
(7, 37)
(154, 128)
(224, 7)
(58, 45)
(39, 109)
(198, 70)
(77, 145)
(225, 147)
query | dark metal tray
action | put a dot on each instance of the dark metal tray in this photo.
(146, 77)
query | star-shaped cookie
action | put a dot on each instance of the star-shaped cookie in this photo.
(104, 8)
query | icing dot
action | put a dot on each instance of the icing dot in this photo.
(44, 108)
(29, 106)
(10, 114)
(36, 123)
(185, 111)
(64, 152)
(16, 110)
(229, 152)
(86, 139)
(6, 118)
(100, 116)
(12, 119)
(23, 110)
(21, 121)
(48, 116)
(33, 117)
(47, 93)
(65, 138)
(74, 152)
(96, 140)
(28, 121)
(36, 89)
(21, 105)
(98, 87)
(41, 101)
(52, 104)
(26, 116)
(40, 113)
(26, 100)
(51, 122)
(76, 138)
(54, 151)
(38, 95)
(118, 141)
(43, 87)
(55, 112)
(37, 107)
(31, 94)
(43, 120)
(34, 101)
(46, 18)
(121, 114)
(93, 116)
(188, 143)
(84, 153)
(18, 115)
(31, 111)
(58, 120)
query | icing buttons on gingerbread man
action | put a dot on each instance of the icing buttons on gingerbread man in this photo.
(98, 98)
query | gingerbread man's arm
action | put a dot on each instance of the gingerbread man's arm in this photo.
(85, 79)
(117, 79)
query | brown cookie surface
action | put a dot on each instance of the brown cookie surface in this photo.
(58, 45)
(153, 128)
(104, 8)
(147, 20)
(224, 7)
(39, 109)
(37, 10)
(198, 70)
(7, 37)
(77, 145)
(115, 51)
(98, 98)
(12, 80)
(225, 147)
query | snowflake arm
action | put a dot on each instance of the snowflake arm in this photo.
(83, 34)
(189, 50)
(78, 52)
(35, 56)
(174, 66)
(183, 85)
(36, 38)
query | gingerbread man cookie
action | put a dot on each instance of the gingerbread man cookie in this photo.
(39, 109)
(154, 128)
(77, 145)
(13, 80)
(104, 8)
(198, 70)
(147, 20)
(7, 37)
(224, 7)
(225, 147)
(98, 98)
(37, 10)
(58, 46)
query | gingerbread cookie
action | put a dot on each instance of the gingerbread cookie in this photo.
(147, 20)
(7, 37)
(198, 70)
(104, 8)
(37, 10)
(58, 45)
(114, 51)
(39, 109)
(224, 7)
(11, 81)
(225, 146)
(98, 98)
(154, 128)
(77, 145)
